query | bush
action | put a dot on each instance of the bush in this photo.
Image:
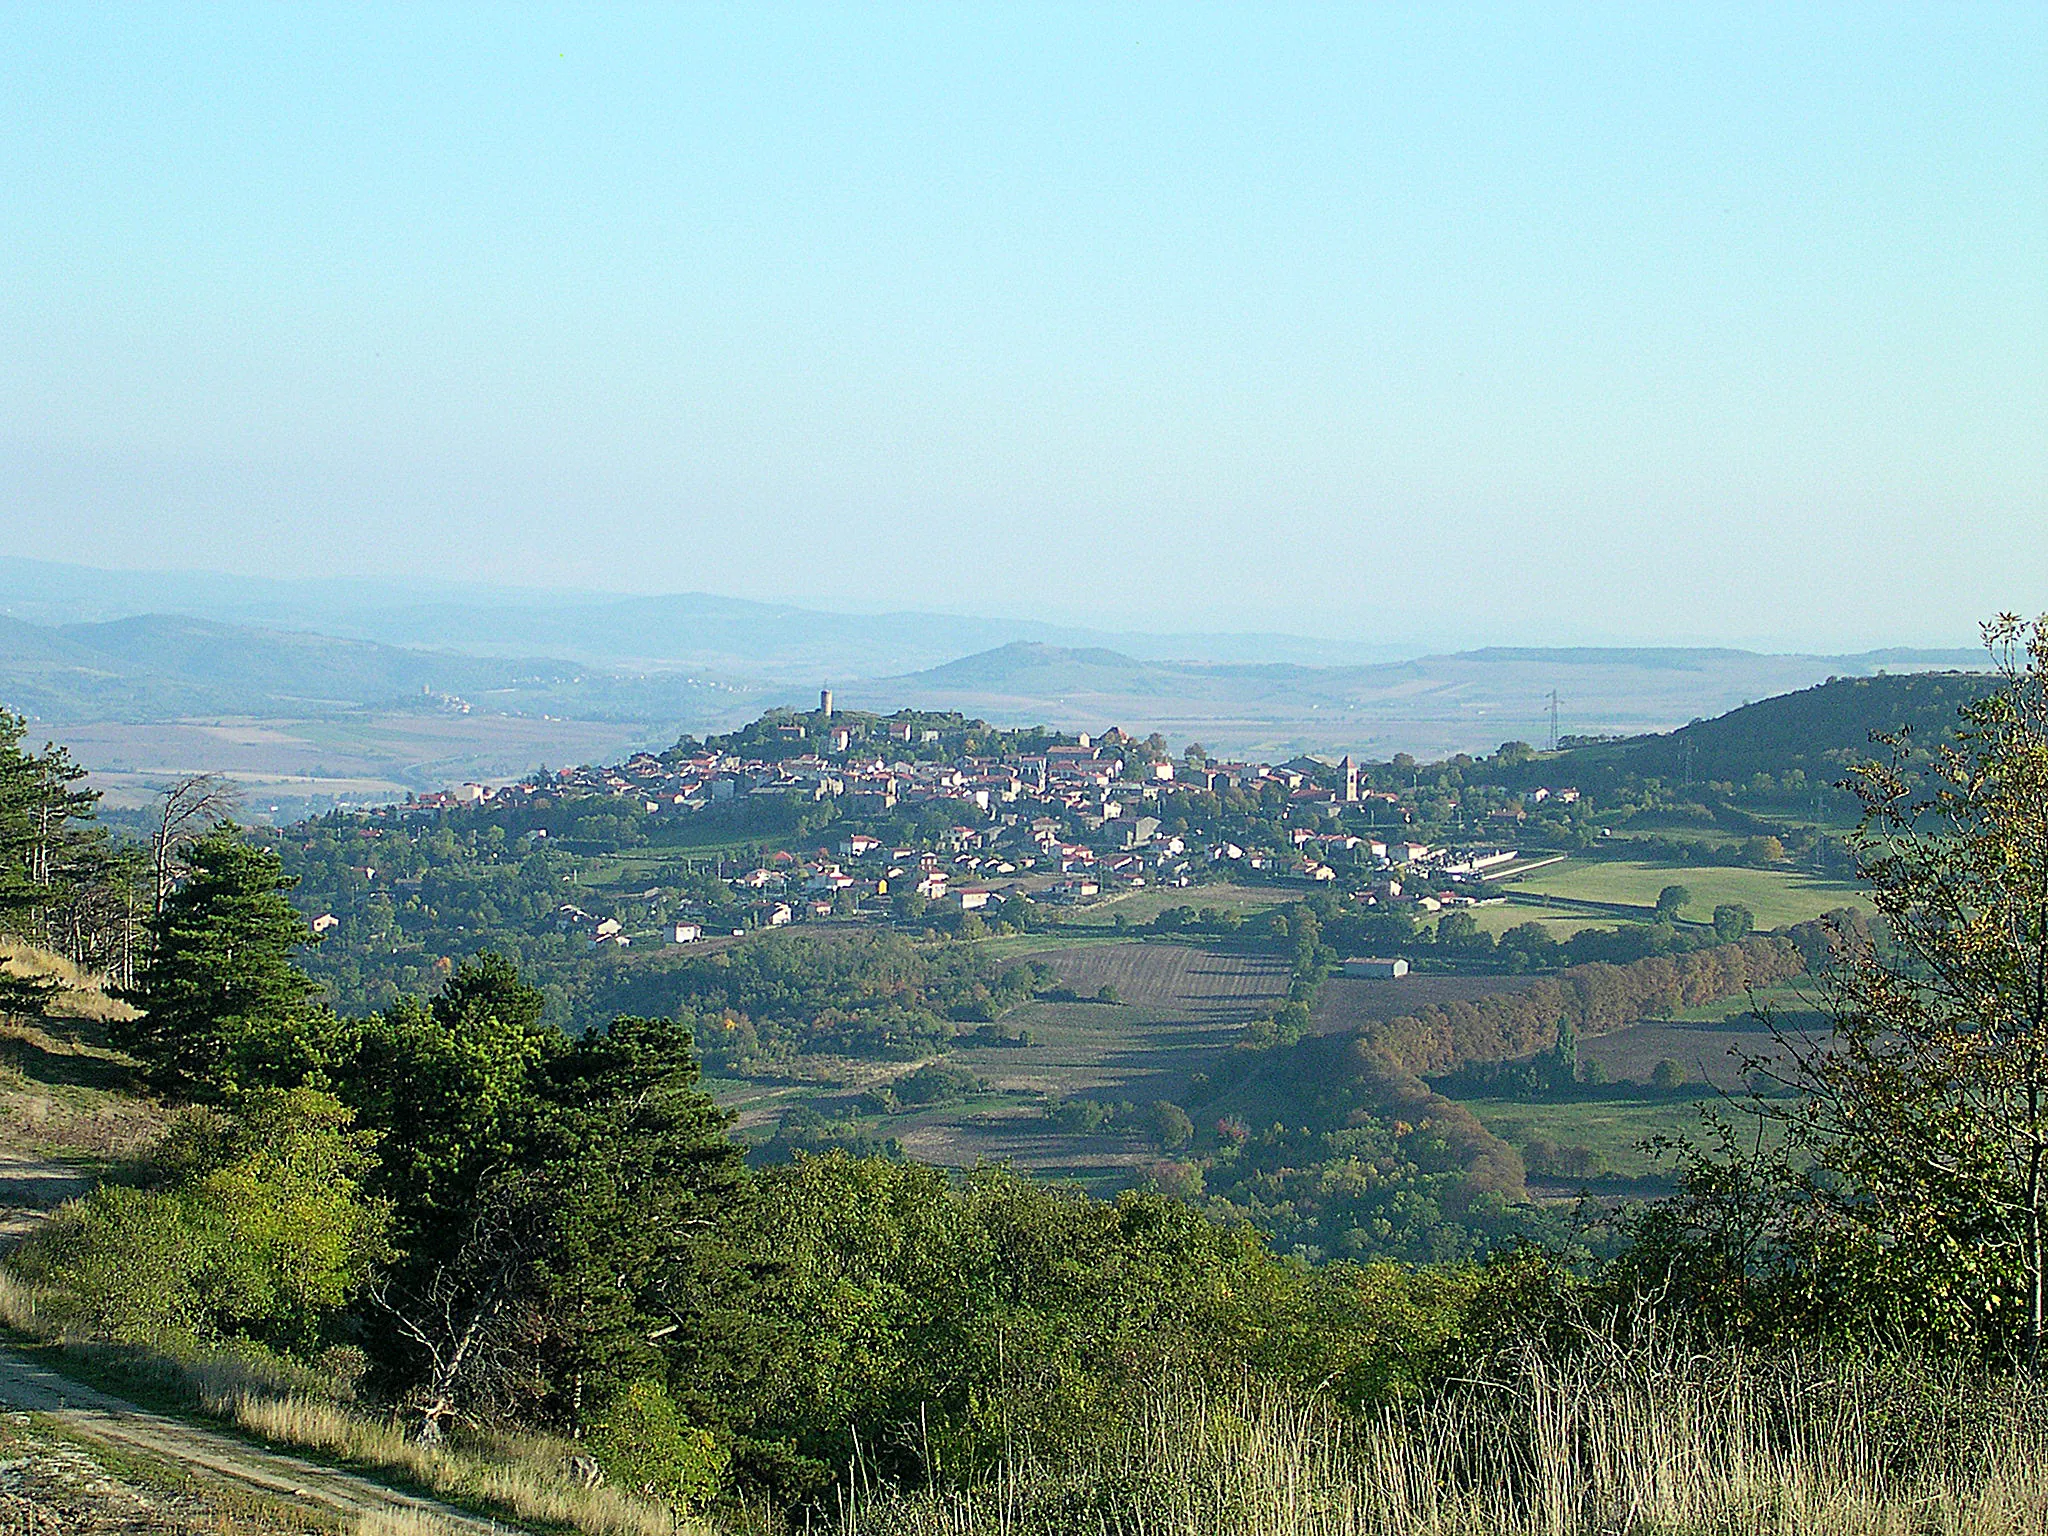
(261, 1229)
(644, 1444)
(937, 1083)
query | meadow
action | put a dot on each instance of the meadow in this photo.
(1146, 903)
(1778, 898)
(1640, 1434)
(1612, 1130)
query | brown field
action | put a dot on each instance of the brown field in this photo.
(1710, 1044)
(1178, 979)
(1349, 1003)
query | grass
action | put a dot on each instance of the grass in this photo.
(514, 1477)
(1141, 906)
(1630, 1437)
(1611, 1130)
(1777, 897)
(1498, 920)
(79, 995)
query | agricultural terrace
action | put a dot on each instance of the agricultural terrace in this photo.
(1777, 897)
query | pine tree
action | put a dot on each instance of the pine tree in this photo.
(222, 1004)
(645, 1189)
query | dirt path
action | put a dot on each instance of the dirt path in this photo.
(107, 1420)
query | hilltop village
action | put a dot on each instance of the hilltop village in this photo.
(928, 811)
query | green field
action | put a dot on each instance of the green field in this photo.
(1141, 906)
(1777, 897)
(1611, 1131)
(1562, 925)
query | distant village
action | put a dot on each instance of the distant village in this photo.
(1067, 822)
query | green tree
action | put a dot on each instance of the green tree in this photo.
(451, 1087)
(1911, 1187)
(222, 1005)
(645, 1192)
(1733, 922)
(1671, 901)
(643, 1442)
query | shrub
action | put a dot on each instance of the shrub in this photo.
(643, 1443)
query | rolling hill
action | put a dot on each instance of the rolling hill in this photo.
(1469, 701)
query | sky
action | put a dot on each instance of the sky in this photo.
(1500, 324)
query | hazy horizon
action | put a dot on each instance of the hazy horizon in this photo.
(1723, 327)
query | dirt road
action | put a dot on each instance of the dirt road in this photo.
(107, 1420)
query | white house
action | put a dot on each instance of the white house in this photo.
(1384, 970)
(685, 933)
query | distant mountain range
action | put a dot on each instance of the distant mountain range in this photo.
(1430, 706)
(170, 667)
(360, 675)
(729, 638)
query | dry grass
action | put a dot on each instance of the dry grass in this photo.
(516, 1477)
(1649, 1439)
(64, 1095)
(524, 1481)
(80, 994)
(401, 1522)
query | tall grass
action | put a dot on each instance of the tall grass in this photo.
(1625, 1438)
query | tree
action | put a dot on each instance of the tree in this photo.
(1762, 850)
(1912, 1183)
(223, 1006)
(187, 810)
(49, 849)
(1733, 922)
(452, 1088)
(1671, 901)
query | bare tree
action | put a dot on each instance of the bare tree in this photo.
(469, 1319)
(187, 810)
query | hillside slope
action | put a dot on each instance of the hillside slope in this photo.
(1819, 731)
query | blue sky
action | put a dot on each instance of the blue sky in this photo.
(1508, 324)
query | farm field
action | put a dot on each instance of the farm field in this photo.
(1709, 1052)
(1562, 925)
(363, 755)
(1142, 906)
(1181, 1007)
(1779, 898)
(1350, 1002)
(1611, 1130)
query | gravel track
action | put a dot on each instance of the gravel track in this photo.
(102, 1418)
